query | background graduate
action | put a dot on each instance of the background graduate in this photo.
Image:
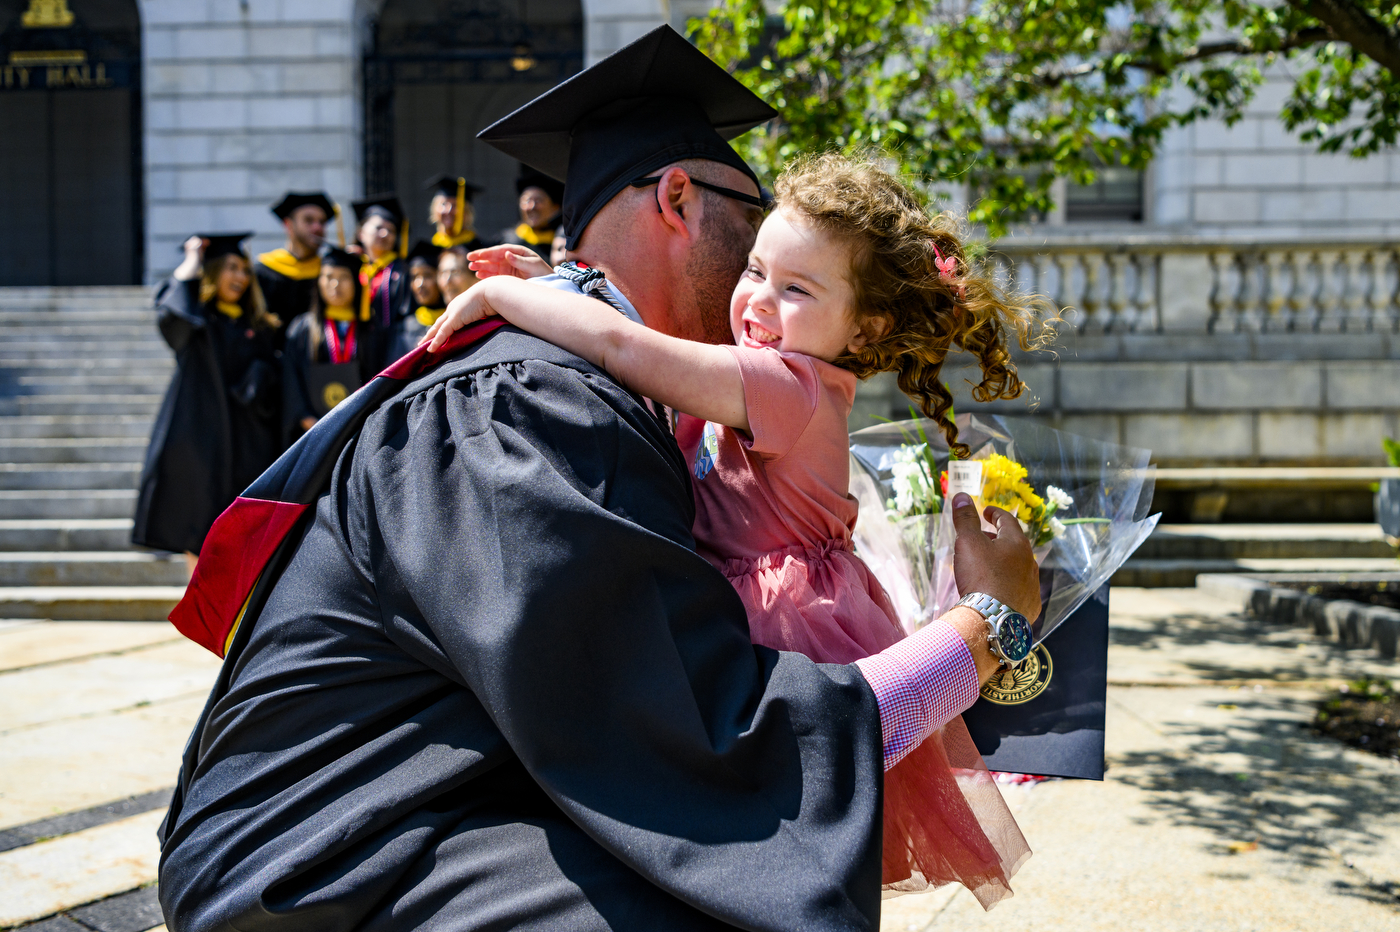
(451, 213)
(218, 425)
(385, 297)
(323, 360)
(287, 276)
(428, 302)
(541, 200)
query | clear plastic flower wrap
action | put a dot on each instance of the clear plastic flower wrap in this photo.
(1084, 503)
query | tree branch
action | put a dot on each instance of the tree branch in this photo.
(1348, 21)
(1300, 39)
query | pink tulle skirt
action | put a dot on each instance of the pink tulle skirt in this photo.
(944, 819)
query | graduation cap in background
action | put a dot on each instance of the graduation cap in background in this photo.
(452, 186)
(424, 251)
(294, 199)
(339, 258)
(529, 178)
(223, 244)
(656, 101)
(388, 207)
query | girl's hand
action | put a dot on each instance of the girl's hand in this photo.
(467, 308)
(510, 259)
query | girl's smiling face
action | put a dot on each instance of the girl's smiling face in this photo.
(795, 295)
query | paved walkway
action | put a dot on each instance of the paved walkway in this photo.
(1219, 810)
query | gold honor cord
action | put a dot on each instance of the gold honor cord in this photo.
(461, 207)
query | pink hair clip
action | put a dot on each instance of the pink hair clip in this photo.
(947, 269)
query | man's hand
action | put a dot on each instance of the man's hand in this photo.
(509, 259)
(1000, 565)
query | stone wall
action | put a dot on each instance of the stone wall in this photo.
(1221, 399)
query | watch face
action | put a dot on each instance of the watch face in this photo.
(1014, 637)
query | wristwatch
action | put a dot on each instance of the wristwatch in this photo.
(1010, 637)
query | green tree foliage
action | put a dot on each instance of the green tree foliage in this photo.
(1007, 95)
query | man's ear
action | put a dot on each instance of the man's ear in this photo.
(678, 201)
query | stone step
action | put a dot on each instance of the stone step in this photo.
(1264, 541)
(1175, 574)
(131, 383)
(90, 603)
(68, 503)
(27, 535)
(18, 476)
(102, 366)
(74, 426)
(92, 569)
(99, 450)
(14, 354)
(124, 332)
(143, 404)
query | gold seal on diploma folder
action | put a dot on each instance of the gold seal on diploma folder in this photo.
(1024, 683)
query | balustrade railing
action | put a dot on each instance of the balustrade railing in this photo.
(1145, 284)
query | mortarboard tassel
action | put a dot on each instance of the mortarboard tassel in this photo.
(340, 225)
(461, 207)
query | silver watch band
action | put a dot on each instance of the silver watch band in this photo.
(986, 606)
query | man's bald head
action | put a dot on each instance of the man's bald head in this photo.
(676, 249)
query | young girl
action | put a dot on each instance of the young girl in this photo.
(849, 277)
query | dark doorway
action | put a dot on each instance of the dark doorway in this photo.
(70, 131)
(439, 71)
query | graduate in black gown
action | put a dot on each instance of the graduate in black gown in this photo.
(485, 682)
(323, 361)
(428, 301)
(452, 215)
(541, 200)
(287, 276)
(382, 234)
(219, 424)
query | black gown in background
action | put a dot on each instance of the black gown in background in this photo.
(496, 688)
(389, 305)
(297, 360)
(219, 424)
(287, 296)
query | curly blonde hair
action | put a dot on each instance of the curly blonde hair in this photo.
(908, 311)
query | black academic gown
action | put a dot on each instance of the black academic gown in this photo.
(412, 329)
(495, 688)
(297, 359)
(219, 424)
(511, 236)
(389, 305)
(286, 297)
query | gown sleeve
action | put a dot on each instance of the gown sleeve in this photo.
(296, 361)
(533, 523)
(177, 311)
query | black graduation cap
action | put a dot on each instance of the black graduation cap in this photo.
(294, 199)
(424, 251)
(339, 258)
(223, 244)
(382, 205)
(448, 184)
(651, 103)
(530, 178)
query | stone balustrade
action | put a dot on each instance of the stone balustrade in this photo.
(1142, 284)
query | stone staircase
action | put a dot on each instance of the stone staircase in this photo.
(82, 371)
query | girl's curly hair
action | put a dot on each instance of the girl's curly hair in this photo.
(909, 312)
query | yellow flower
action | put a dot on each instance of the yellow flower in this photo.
(1004, 485)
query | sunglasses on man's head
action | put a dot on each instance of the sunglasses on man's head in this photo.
(762, 201)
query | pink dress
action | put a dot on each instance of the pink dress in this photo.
(774, 513)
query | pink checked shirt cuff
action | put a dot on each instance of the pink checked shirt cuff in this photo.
(920, 683)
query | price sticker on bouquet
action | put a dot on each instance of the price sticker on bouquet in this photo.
(965, 476)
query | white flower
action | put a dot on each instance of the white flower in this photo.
(1057, 528)
(912, 489)
(1058, 497)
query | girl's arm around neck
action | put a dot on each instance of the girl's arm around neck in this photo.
(700, 379)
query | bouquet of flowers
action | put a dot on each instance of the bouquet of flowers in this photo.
(1083, 504)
